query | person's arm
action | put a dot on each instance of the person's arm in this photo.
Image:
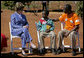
(26, 22)
(13, 22)
(61, 18)
(55, 20)
(52, 28)
(26, 26)
(39, 25)
(74, 29)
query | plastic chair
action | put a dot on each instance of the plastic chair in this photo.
(38, 32)
(68, 46)
(11, 42)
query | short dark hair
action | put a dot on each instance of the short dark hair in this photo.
(68, 6)
(46, 11)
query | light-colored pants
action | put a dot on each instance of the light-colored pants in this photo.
(72, 37)
(52, 36)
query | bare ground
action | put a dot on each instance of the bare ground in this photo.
(31, 18)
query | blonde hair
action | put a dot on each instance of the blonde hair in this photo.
(19, 6)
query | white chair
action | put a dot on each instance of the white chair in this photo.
(69, 46)
(38, 32)
(11, 42)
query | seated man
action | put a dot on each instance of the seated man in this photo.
(72, 22)
(46, 27)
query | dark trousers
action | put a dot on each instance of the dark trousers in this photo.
(44, 6)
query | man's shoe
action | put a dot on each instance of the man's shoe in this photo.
(59, 50)
(42, 51)
(54, 51)
(74, 52)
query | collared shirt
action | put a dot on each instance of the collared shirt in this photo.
(43, 25)
(69, 20)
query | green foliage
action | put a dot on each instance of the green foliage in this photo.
(79, 9)
(9, 4)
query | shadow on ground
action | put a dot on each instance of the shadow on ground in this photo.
(9, 55)
(36, 52)
(67, 50)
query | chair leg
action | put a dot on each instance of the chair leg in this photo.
(63, 45)
(12, 46)
(79, 43)
(79, 49)
(30, 49)
(38, 46)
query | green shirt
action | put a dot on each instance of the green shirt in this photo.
(42, 24)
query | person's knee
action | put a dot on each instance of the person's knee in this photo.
(73, 33)
(53, 34)
(73, 36)
(23, 35)
(41, 34)
(60, 33)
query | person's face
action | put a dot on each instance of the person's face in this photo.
(65, 10)
(44, 15)
(20, 11)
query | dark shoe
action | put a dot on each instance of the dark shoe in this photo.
(74, 52)
(42, 51)
(59, 50)
(54, 51)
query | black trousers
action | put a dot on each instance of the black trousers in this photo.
(44, 6)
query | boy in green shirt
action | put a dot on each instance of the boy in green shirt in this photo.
(46, 27)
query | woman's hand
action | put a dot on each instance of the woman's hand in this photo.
(26, 26)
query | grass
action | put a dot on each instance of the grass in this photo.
(2, 5)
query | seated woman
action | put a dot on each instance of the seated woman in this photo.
(19, 26)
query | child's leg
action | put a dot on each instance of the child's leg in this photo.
(42, 39)
(53, 39)
(53, 42)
